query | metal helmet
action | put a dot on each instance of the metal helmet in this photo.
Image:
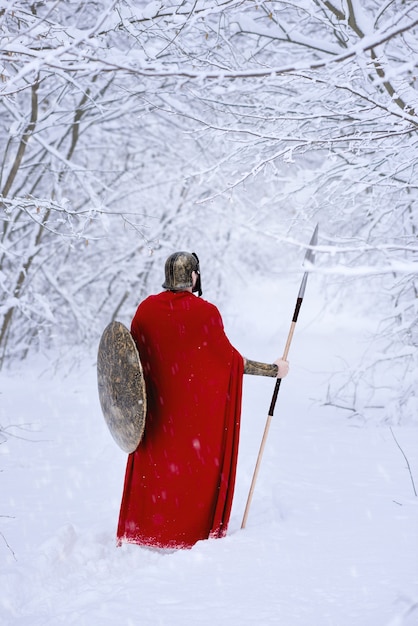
(178, 272)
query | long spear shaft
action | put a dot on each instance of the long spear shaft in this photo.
(308, 257)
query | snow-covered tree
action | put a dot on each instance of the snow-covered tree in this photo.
(224, 125)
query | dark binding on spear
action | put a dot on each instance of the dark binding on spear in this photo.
(309, 257)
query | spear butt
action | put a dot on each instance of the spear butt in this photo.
(257, 467)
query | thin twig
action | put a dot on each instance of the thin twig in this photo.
(407, 462)
(5, 541)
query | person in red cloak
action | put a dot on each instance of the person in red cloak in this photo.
(179, 482)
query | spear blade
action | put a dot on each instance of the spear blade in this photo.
(310, 259)
(310, 252)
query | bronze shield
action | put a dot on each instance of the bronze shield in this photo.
(121, 386)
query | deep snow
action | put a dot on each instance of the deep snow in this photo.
(332, 534)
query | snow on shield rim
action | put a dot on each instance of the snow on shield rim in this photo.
(121, 386)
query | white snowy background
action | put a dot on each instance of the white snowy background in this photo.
(129, 129)
(331, 538)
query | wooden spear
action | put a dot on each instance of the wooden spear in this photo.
(309, 257)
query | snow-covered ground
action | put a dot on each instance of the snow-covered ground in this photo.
(332, 534)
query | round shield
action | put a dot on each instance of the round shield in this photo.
(121, 386)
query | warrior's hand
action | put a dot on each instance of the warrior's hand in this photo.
(282, 367)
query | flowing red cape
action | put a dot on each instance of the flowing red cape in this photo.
(179, 483)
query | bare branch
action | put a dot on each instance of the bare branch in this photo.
(406, 460)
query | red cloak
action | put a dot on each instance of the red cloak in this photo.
(179, 483)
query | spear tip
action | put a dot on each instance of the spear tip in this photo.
(310, 253)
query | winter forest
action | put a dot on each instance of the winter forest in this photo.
(130, 129)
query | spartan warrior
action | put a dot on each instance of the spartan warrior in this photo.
(179, 481)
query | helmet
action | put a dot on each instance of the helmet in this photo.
(178, 272)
